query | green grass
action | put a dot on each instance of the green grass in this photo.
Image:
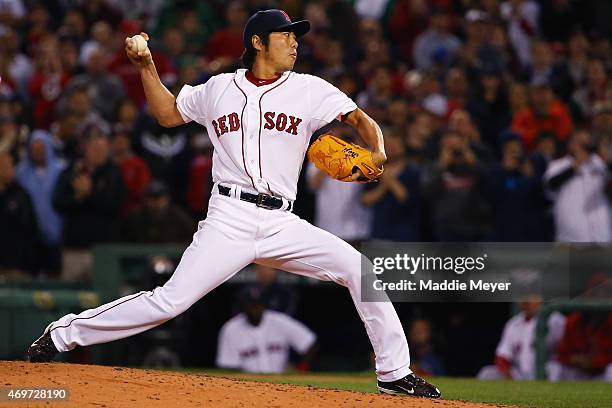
(538, 394)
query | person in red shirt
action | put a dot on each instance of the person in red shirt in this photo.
(200, 176)
(134, 170)
(48, 83)
(225, 46)
(585, 351)
(545, 114)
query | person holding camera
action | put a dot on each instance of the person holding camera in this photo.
(455, 189)
(516, 196)
(577, 184)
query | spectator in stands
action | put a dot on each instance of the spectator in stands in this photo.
(65, 137)
(417, 139)
(573, 70)
(9, 130)
(406, 20)
(436, 46)
(522, 17)
(338, 207)
(454, 187)
(489, 106)
(399, 116)
(259, 340)
(89, 195)
(135, 172)
(38, 174)
(545, 114)
(126, 117)
(396, 199)
(105, 89)
(577, 184)
(423, 358)
(597, 88)
(19, 232)
(167, 152)
(516, 196)
(47, 83)
(19, 67)
(518, 98)
(102, 40)
(540, 69)
(226, 45)
(461, 122)
(12, 14)
(200, 182)
(456, 89)
(585, 350)
(515, 353)
(376, 98)
(601, 128)
(69, 56)
(78, 101)
(477, 36)
(601, 48)
(174, 45)
(159, 221)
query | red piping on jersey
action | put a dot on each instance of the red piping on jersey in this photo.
(261, 122)
(242, 131)
(260, 82)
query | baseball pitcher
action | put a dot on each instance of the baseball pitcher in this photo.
(260, 120)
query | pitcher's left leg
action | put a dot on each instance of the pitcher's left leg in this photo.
(302, 248)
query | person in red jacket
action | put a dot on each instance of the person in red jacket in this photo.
(225, 46)
(585, 350)
(134, 170)
(545, 114)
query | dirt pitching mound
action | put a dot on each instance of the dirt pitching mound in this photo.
(113, 387)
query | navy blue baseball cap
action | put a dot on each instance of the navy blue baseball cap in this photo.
(272, 20)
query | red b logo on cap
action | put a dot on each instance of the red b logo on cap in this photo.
(286, 16)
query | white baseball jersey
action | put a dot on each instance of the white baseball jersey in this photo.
(260, 133)
(517, 343)
(581, 207)
(263, 348)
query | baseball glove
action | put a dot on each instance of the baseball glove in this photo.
(340, 159)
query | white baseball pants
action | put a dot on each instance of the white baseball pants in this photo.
(235, 234)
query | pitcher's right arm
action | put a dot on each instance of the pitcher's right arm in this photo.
(162, 104)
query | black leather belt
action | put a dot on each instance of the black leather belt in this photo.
(261, 200)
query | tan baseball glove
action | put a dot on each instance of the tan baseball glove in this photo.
(340, 159)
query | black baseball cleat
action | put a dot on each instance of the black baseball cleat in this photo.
(42, 350)
(410, 385)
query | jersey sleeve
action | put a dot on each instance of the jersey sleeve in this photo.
(506, 344)
(191, 103)
(299, 337)
(327, 103)
(227, 353)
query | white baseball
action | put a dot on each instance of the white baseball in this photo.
(139, 44)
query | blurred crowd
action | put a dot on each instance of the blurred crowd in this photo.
(497, 118)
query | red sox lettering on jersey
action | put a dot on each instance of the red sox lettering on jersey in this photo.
(288, 123)
(260, 133)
